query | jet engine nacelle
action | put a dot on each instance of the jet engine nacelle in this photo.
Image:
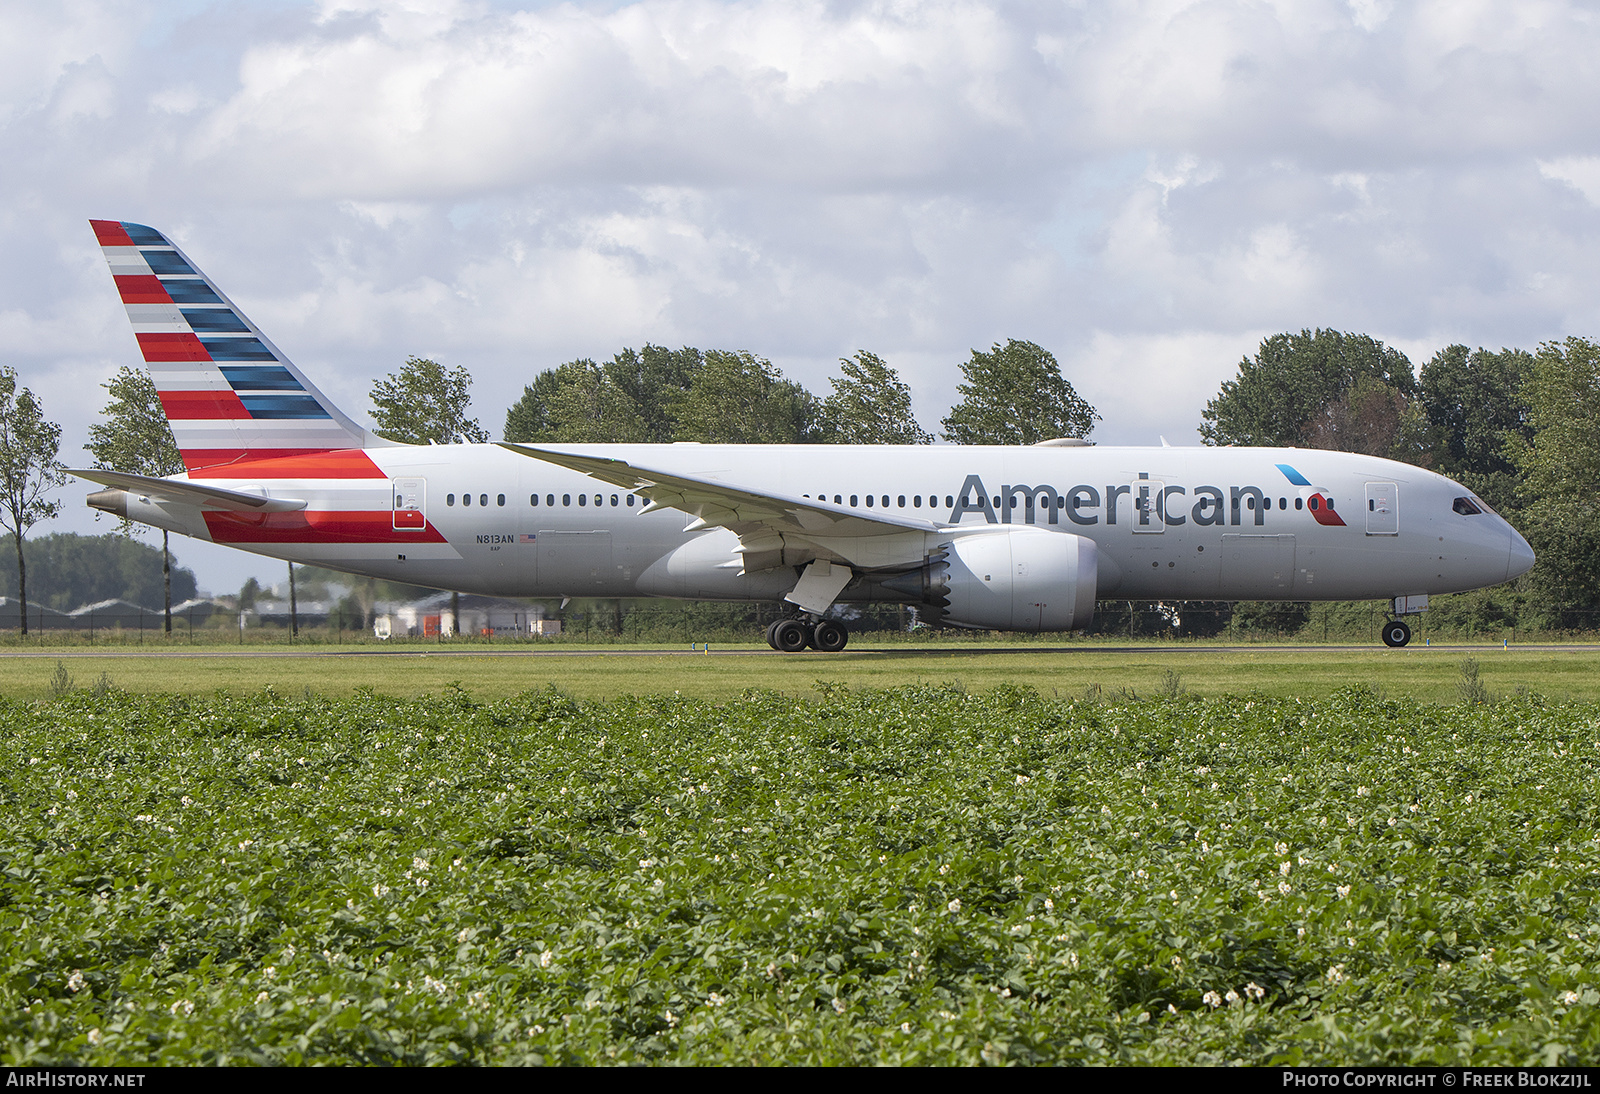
(1023, 579)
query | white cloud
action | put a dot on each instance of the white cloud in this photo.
(1582, 173)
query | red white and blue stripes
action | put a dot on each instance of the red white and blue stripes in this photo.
(229, 394)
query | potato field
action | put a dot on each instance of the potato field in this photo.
(913, 875)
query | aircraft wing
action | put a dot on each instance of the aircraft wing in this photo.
(191, 493)
(773, 529)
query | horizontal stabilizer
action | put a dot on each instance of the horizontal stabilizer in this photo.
(191, 493)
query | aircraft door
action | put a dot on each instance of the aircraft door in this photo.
(1148, 506)
(1383, 509)
(410, 504)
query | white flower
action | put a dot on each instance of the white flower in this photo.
(944, 868)
(1211, 999)
(1254, 990)
(1177, 962)
(954, 906)
(270, 972)
(94, 1036)
(380, 890)
(1049, 905)
(1284, 868)
(1569, 997)
(545, 958)
(1363, 792)
(182, 1007)
(466, 934)
(716, 1000)
(75, 982)
(838, 1005)
(1343, 891)
(1281, 848)
(905, 1027)
(1232, 997)
(1335, 975)
(672, 1019)
(262, 997)
(1023, 780)
(1285, 888)
(419, 864)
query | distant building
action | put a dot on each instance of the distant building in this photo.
(480, 615)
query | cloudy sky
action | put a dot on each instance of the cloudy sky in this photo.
(1144, 188)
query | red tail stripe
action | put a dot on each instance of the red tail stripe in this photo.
(314, 526)
(280, 463)
(186, 406)
(111, 233)
(173, 347)
(141, 289)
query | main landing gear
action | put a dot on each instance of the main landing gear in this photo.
(794, 635)
(1396, 634)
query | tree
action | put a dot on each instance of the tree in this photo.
(29, 471)
(1286, 394)
(632, 397)
(1561, 472)
(575, 403)
(67, 571)
(136, 439)
(739, 398)
(1474, 404)
(657, 379)
(1015, 394)
(870, 405)
(424, 403)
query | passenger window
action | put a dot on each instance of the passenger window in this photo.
(1314, 505)
(583, 499)
(466, 499)
(566, 499)
(916, 501)
(533, 499)
(483, 499)
(449, 499)
(1298, 503)
(598, 500)
(869, 501)
(500, 500)
(902, 500)
(950, 501)
(1283, 503)
(630, 501)
(886, 501)
(550, 499)
(836, 500)
(614, 501)
(852, 499)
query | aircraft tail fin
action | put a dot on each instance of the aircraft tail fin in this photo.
(229, 394)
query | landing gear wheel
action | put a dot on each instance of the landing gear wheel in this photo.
(829, 637)
(772, 629)
(1396, 634)
(789, 636)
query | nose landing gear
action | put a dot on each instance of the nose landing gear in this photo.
(794, 635)
(1396, 634)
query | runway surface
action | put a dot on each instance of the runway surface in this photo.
(736, 651)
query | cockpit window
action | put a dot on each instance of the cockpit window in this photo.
(1466, 507)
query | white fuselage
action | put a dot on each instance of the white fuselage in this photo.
(1168, 523)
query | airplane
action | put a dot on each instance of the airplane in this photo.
(1022, 538)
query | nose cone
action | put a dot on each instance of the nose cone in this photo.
(1521, 556)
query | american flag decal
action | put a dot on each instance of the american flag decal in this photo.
(527, 537)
